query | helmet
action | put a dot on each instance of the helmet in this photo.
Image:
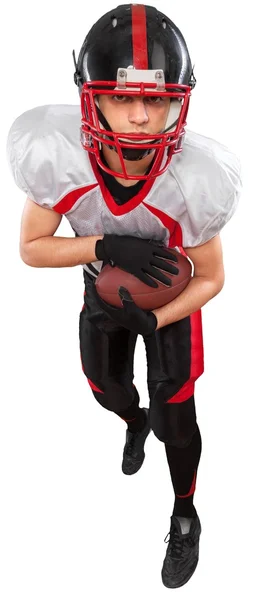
(136, 51)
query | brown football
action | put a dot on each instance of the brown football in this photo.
(111, 278)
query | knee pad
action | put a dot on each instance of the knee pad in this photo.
(112, 396)
(179, 441)
(173, 424)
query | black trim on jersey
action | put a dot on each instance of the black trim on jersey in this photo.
(119, 192)
(92, 268)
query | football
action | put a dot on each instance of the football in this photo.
(111, 278)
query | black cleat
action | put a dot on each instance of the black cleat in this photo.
(182, 553)
(133, 453)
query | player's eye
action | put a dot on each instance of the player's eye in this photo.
(119, 98)
(154, 99)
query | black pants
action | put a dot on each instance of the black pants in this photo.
(174, 356)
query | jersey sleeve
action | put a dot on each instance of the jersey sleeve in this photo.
(211, 190)
(31, 154)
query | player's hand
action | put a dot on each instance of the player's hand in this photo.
(130, 316)
(138, 256)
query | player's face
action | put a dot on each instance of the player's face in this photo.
(133, 115)
(128, 114)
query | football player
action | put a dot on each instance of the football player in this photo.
(131, 182)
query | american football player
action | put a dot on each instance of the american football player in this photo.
(132, 181)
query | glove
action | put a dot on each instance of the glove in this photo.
(137, 256)
(130, 316)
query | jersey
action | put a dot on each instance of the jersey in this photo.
(184, 207)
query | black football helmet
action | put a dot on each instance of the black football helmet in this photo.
(134, 50)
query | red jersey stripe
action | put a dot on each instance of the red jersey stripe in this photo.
(119, 209)
(174, 228)
(139, 37)
(68, 201)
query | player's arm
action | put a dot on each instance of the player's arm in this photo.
(40, 248)
(207, 282)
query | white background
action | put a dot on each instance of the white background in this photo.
(72, 525)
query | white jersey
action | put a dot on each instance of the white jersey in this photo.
(185, 207)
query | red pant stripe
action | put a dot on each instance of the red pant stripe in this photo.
(192, 489)
(94, 387)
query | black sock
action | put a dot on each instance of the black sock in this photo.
(138, 422)
(183, 463)
(135, 419)
(134, 416)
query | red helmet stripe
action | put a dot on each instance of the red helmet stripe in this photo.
(139, 37)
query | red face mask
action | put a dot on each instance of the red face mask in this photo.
(96, 131)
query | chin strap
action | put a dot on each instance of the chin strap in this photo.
(102, 119)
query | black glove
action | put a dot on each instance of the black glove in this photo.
(130, 316)
(137, 256)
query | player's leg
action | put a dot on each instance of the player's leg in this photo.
(107, 356)
(183, 459)
(107, 352)
(175, 361)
